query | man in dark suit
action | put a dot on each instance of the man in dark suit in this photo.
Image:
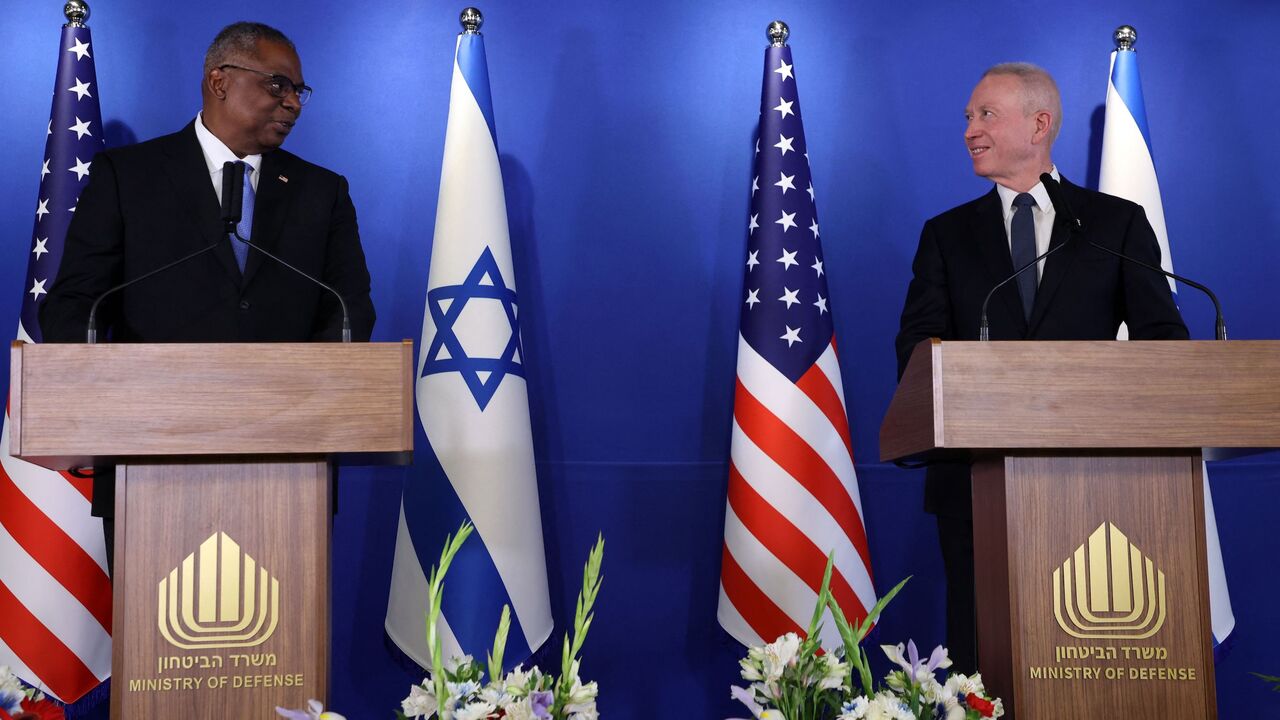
(149, 204)
(1077, 293)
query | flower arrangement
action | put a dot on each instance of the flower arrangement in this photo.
(792, 678)
(314, 711)
(456, 689)
(18, 701)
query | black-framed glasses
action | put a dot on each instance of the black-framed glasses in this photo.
(277, 85)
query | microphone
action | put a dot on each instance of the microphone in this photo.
(1054, 188)
(232, 200)
(984, 328)
(91, 334)
(232, 195)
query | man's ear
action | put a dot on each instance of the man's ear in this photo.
(215, 81)
(1044, 126)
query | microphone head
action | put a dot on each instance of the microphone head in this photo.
(232, 193)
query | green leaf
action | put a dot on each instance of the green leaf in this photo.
(499, 644)
(435, 597)
(1270, 679)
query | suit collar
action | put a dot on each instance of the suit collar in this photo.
(1058, 264)
(274, 201)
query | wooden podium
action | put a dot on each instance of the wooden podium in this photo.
(224, 459)
(1088, 506)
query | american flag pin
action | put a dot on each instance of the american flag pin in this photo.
(282, 178)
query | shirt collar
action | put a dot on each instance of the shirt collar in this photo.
(1038, 192)
(216, 152)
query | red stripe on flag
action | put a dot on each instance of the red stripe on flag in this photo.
(55, 551)
(817, 386)
(790, 451)
(765, 618)
(791, 546)
(54, 663)
(84, 486)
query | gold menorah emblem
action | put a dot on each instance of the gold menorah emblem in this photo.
(1108, 589)
(218, 598)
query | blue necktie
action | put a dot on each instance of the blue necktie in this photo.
(245, 228)
(1022, 245)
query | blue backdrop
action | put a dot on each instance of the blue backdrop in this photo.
(625, 134)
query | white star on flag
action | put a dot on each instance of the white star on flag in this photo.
(813, 227)
(821, 305)
(81, 128)
(788, 259)
(37, 288)
(752, 261)
(755, 184)
(817, 265)
(44, 169)
(792, 335)
(42, 210)
(786, 183)
(753, 297)
(40, 248)
(784, 70)
(810, 190)
(81, 169)
(751, 226)
(787, 221)
(784, 144)
(81, 88)
(81, 49)
(784, 107)
(789, 297)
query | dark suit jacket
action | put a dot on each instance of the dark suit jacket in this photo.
(151, 203)
(1084, 293)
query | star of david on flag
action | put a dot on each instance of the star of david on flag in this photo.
(483, 285)
(474, 446)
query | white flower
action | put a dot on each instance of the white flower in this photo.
(496, 693)
(582, 711)
(420, 703)
(834, 672)
(11, 691)
(581, 694)
(953, 709)
(452, 664)
(780, 654)
(463, 689)
(855, 709)
(518, 710)
(475, 711)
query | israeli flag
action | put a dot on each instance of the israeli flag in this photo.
(1128, 171)
(474, 448)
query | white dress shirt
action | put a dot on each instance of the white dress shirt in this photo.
(1043, 214)
(216, 153)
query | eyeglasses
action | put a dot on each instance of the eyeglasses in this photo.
(278, 85)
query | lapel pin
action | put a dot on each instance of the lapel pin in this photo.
(283, 179)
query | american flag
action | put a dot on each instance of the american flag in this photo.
(55, 596)
(793, 494)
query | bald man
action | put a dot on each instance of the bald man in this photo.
(1078, 293)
